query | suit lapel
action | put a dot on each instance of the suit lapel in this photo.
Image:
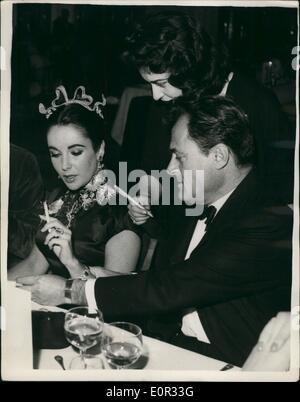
(245, 196)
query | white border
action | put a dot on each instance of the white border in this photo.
(201, 3)
(39, 375)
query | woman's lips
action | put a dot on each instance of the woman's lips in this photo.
(70, 178)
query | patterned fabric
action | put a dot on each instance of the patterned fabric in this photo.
(96, 191)
(66, 207)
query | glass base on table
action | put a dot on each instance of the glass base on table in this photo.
(90, 362)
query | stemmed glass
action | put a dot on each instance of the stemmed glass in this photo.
(121, 344)
(83, 329)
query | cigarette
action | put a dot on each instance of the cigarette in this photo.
(46, 211)
(132, 200)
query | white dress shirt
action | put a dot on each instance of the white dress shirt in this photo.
(191, 324)
(90, 293)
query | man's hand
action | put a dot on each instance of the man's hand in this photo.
(45, 289)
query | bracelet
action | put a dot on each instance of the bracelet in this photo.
(86, 274)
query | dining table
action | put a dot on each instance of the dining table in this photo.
(156, 355)
(159, 360)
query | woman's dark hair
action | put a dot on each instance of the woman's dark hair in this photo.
(89, 123)
(217, 119)
(174, 42)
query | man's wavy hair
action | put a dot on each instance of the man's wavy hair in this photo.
(217, 119)
(176, 43)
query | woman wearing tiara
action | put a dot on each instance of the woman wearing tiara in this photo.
(78, 230)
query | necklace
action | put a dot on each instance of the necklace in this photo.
(96, 191)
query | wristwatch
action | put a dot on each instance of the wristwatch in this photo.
(68, 289)
(86, 274)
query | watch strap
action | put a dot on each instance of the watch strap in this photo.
(68, 289)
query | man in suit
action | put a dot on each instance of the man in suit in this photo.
(217, 279)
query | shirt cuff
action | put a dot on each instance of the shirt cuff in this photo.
(90, 293)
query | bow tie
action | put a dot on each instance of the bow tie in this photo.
(208, 213)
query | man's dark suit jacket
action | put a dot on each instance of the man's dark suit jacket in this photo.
(237, 278)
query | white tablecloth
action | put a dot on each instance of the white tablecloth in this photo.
(157, 355)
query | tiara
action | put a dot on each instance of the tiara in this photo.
(80, 97)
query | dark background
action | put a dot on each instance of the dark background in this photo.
(81, 44)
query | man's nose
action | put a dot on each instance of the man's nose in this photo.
(156, 92)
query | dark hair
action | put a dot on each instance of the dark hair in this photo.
(89, 123)
(176, 43)
(217, 119)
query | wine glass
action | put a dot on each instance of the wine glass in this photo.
(83, 329)
(121, 344)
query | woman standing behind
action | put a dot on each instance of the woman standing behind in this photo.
(80, 232)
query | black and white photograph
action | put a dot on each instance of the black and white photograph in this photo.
(150, 192)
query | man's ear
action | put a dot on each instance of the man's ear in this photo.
(220, 155)
(101, 151)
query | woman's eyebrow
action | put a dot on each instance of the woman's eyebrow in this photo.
(76, 145)
(51, 147)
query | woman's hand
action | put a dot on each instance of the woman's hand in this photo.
(59, 239)
(149, 194)
(137, 214)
